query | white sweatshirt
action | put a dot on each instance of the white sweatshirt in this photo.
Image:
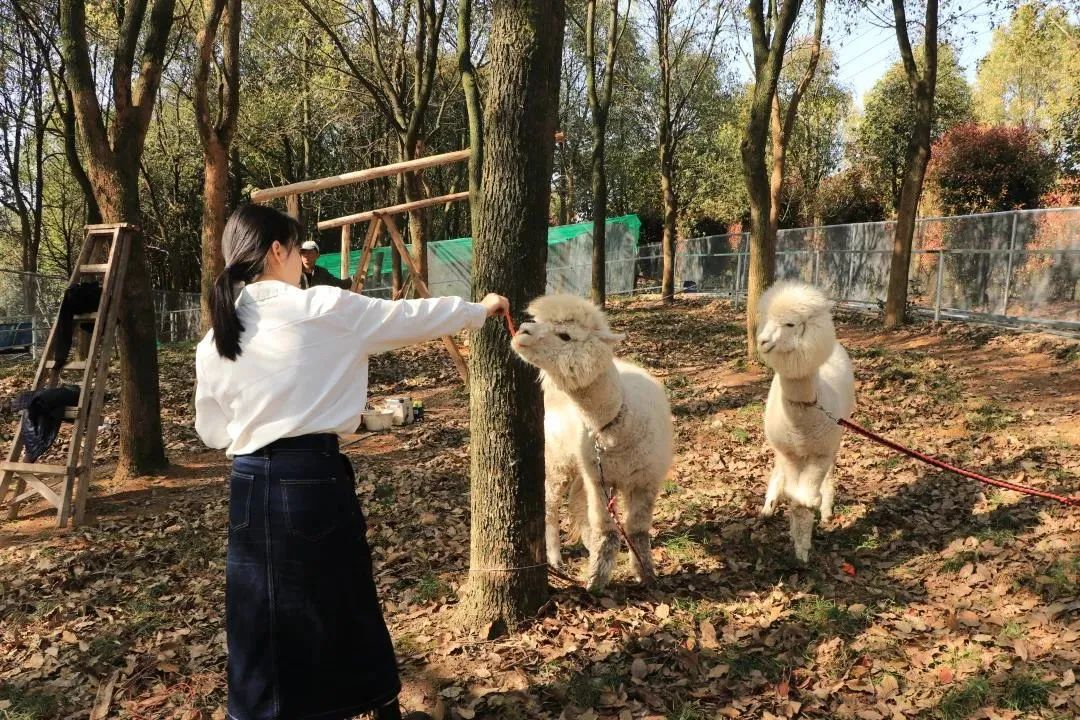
(304, 360)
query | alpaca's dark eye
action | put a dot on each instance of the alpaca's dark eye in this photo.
(790, 324)
(564, 337)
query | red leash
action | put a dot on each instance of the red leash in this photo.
(1073, 502)
(510, 323)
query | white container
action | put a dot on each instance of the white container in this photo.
(402, 409)
(378, 420)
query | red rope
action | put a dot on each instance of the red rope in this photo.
(1071, 501)
(510, 323)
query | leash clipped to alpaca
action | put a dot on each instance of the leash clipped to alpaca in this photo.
(942, 465)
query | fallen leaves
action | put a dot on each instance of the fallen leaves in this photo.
(954, 582)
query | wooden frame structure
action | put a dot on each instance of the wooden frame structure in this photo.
(377, 219)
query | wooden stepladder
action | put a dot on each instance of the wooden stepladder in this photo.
(371, 239)
(104, 255)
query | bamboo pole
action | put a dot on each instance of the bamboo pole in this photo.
(394, 210)
(346, 241)
(306, 186)
(422, 288)
(365, 256)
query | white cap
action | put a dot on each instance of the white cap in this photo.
(310, 245)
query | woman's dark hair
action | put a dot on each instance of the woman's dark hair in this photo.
(248, 236)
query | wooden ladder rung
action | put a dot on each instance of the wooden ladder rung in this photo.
(91, 229)
(71, 413)
(86, 317)
(98, 269)
(34, 468)
(74, 365)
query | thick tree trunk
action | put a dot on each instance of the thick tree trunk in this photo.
(918, 157)
(215, 205)
(599, 189)
(141, 448)
(762, 267)
(507, 574)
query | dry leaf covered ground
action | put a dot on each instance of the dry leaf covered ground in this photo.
(928, 596)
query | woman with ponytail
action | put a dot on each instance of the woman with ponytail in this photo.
(280, 376)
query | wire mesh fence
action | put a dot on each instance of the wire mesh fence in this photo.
(1015, 267)
(29, 303)
(1020, 267)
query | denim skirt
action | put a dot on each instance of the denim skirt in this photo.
(306, 635)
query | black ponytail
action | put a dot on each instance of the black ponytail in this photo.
(248, 236)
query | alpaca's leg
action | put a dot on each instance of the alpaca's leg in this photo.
(772, 493)
(639, 513)
(601, 537)
(805, 498)
(554, 489)
(802, 531)
(828, 490)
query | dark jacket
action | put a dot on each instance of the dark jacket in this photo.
(322, 276)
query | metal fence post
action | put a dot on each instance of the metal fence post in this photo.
(738, 274)
(1009, 267)
(817, 265)
(937, 291)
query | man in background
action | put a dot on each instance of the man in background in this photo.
(313, 274)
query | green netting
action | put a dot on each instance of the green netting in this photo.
(569, 260)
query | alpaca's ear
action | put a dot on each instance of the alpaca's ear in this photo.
(611, 338)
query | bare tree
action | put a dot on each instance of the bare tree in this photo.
(113, 152)
(770, 31)
(783, 118)
(216, 130)
(599, 106)
(507, 573)
(400, 84)
(923, 87)
(686, 40)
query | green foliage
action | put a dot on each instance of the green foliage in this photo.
(978, 168)
(883, 131)
(1030, 75)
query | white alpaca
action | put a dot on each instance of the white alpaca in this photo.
(798, 341)
(590, 396)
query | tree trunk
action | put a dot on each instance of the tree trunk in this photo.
(216, 136)
(473, 109)
(507, 573)
(599, 189)
(215, 208)
(768, 61)
(113, 158)
(923, 88)
(671, 212)
(141, 448)
(918, 157)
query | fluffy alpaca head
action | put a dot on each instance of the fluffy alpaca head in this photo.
(569, 340)
(796, 334)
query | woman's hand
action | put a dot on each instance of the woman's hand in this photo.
(496, 304)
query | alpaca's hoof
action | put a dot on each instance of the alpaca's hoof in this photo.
(554, 561)
(803, 556)
(647, 578)
(768, 508)
(596, 586)
(826, 515)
